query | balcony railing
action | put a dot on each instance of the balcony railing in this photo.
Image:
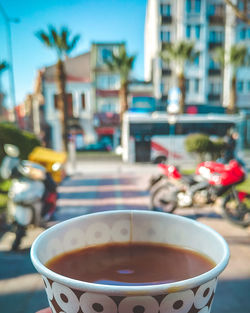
(166, 19)
(214, 71)
(213, 97)
(212, 45)
(166, 72)
(216, 19)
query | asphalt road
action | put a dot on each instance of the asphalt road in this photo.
(96, 187)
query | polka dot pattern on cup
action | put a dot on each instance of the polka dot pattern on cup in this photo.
(98, 233)
(121, 231)
(93, 303)
(66, 300)
(143, 304)
(178, 302)
(204, 293)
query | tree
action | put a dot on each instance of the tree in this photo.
(179, 53)
(122, 64)
(60, 42)
(218, 55)
(237, 57)
(241, 14)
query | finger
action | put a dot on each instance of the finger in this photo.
(47, 310)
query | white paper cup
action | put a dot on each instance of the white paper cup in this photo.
(72, 296)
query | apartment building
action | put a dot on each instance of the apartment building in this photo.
(202, 22)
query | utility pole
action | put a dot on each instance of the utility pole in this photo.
(12, 93)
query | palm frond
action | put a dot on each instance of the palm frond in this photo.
(238, 55)
(73, 43)
(44, 38)
(3, 66)
(58, 40)
(218, 56)
(55, 37)
(121, 63)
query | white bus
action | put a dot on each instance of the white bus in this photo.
(157, 136)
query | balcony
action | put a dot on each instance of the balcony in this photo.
(212, 45)
(216, 19)
(214, 71)
(166, 72)
(213, 97)
(166, 19)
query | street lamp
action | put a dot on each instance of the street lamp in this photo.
(7, 21)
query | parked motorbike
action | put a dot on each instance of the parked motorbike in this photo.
(32, 195)
(210, 181)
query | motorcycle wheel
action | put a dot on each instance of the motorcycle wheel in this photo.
(19, 233)
(236, 212)
(161, 199)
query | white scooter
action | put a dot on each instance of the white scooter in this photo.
(32, 196)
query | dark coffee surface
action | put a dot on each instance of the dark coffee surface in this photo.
(131, 264)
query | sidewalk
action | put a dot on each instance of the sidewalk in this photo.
(102, 186)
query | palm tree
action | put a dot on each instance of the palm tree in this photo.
(236, 58)
(122, 64)
(60, 42)
(179, 53)
(218, 56)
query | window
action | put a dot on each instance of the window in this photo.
(188, 31)
(211, 9)
(197, 60)
(83, 101)
(196, 85)
(105, 54)
(197, 31)
(240, 86)
(166, 9)
(165, 36)
(243, 33)
(215, 9)
(215, 36)
(241, 5)
(108, 105)
(197, 7)
(248, 86)
(212, 64)
(193, 6)
(188, 6)
(108, 81)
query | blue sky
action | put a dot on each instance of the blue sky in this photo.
(94, 20)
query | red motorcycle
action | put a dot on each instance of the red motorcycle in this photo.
(210, 181)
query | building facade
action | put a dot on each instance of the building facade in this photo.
(204, 23)
(92, 98)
